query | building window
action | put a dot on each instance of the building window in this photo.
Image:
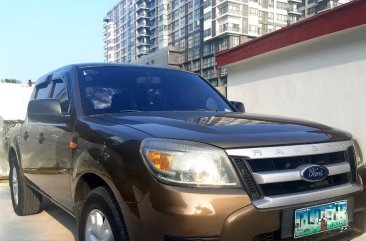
(281, 5)
(260, 30)
(197, 13)
(208, 62)
(190, 42)
(236, 41)
(190, 28)
(253, 11)
(182, 44)
(270, 16)
(207, 16)
(270, 28)
(224, 44)
(196, 25)
(190, 16)
(252, 28)
(182, 9)
(189, 56)
(233, 27)
(260, 15)
(281, 18)
(207, 4)
(207, 33)
(311, 10)
(196, 53)
(197, 39)
(196, 65)
(270, 3)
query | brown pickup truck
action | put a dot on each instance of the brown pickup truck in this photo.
(152, 154)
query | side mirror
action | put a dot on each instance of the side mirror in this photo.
(239, 106)
(46, 110)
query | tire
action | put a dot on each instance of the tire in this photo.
(101, 205)
(26, 201)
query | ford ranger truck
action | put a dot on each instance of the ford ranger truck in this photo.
(144, 153)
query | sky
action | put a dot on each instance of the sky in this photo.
(38, 36)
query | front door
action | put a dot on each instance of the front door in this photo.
(55, 156)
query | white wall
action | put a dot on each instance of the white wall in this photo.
(13, 105)
(322, 80)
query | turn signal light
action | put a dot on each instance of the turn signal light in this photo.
(160, 160)
(73, 145)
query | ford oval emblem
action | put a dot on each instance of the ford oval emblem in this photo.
(314, 173)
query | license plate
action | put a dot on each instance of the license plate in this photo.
(321, 218)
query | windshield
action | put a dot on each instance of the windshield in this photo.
(113, 89)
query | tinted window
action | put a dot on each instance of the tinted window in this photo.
(59, 92)
(43, 91)
(115, 89)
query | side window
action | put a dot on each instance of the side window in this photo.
(43, 91)
(59, 92)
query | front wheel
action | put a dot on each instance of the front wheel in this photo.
(26, 201)
(100, 218)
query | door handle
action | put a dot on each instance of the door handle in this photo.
(41, 138)
(25, 135)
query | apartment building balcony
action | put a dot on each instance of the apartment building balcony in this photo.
(219, 2)
(143, 33)
(196, 67)
(142, 51)
(142, 14)
(141, 24)
(325, 5)
(142, 43)
(212, 76)
(294, 1)
(208, 65)
(293, 11)
(142, 6)
(229, 28)
(225, 11)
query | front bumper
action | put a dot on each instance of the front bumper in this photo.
(251, 224)
(183, 214)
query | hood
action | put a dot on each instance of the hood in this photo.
(228, 130)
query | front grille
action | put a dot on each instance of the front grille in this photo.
(277, 164)
(302, 186)
(258, 189)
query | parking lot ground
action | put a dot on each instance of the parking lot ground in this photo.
(53, 224)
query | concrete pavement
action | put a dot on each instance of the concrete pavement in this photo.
(53, 224)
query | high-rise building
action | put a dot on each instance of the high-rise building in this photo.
(309, 8)
(198, 28)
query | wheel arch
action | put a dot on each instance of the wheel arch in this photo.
(13, 155)
(87, 182)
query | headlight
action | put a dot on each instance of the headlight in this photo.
(188, 163)
(358, 154)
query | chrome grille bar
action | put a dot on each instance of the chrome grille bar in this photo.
(294, 174)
